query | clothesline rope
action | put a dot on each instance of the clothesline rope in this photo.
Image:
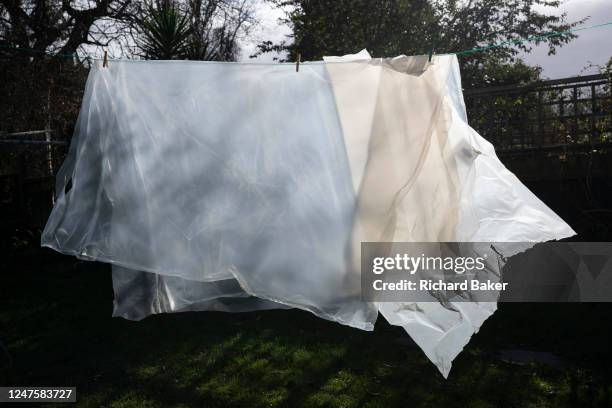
(530, 39)
(459, 53)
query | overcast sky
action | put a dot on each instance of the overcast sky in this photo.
(591, 46)
(268, 28)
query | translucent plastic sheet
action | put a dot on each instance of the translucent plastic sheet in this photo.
(423, 175)
(211, 172)
(139, 294)
(235, 187)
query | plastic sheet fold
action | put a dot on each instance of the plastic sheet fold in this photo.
(238, 187)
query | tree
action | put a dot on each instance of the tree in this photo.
(65, 26)
(393, 27)
(41, 91)
(164, 31)
(192, 29)
(60, 26)
(217, 25)
(384, 27)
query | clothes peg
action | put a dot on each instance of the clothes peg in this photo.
(297, 62)
(105, 61)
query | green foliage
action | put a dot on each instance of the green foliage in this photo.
(196, 29)
(384, 27)
(494, 72)
(394, 27)
(165, 31)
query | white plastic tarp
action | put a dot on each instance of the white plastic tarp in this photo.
(236, 187)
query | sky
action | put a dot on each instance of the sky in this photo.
(268, 28)
(591, 46)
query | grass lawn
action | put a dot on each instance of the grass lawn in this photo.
(55, 321)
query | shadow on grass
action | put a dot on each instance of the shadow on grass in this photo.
(55, 319)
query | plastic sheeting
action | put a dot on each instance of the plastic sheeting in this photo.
(236, 187)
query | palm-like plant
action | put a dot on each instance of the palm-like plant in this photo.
(164, 31)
